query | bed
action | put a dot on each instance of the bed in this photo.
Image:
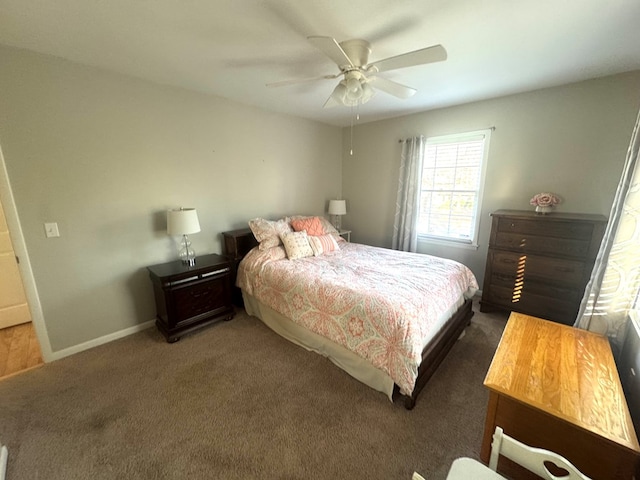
(387, 318)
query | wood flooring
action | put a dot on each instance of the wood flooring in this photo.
(19, 350)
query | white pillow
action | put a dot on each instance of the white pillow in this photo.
(267, 232)
(297, 245)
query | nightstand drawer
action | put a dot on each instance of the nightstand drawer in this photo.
(205, 297)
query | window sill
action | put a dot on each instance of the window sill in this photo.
(447, 243)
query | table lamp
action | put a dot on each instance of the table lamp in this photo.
(184, 221)
(337, 208)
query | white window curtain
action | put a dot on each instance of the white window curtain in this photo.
(615, 279)
(405, 235)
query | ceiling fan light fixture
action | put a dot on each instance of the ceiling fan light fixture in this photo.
(340, 92)
(355, 94)
(367, 92)
(348, 102)
(354, 86)
(350, 98)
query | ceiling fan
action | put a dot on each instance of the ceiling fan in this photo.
(360, 77)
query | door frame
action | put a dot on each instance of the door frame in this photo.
(20, 249)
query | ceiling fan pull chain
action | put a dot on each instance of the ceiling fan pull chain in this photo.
(351, 133)
(357, 117)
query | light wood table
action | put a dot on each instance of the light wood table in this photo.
(557, 387)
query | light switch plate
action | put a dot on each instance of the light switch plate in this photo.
(51, 230)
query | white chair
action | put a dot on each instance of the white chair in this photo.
(533, 459)
(467, 469)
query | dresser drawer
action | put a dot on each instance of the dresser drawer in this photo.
(558, 309)
(556, 271)
(542, 288)
(556, 229)
(526, 242)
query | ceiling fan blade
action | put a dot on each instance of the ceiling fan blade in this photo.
(332, 49)
(331, 102)
(436, 53)
(301, 80)
(392, 88)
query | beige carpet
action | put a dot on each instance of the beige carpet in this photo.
(236, 401)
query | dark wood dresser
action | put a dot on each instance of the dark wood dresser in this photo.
(189, 298)
(236, 244)
(540, 264)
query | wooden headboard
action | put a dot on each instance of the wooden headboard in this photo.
(237, 243)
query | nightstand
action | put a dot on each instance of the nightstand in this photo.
(342, 233)
(189, 298)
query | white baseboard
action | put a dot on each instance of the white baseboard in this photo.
(101, 340)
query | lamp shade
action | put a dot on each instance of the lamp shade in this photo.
(182, 221)
(337, 207)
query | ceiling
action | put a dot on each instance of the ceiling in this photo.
(233, 48)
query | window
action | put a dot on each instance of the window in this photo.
(451, 187)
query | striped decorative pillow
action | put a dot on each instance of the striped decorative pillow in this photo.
(323, 244)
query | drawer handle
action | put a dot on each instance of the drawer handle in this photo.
(566, 269)
(184, 280)
(215, 272)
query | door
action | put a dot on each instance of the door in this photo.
(14, 309)
(19, 346)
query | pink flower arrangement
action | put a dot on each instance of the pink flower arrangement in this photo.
(545, 199)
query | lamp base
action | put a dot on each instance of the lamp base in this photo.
(337, 224)
(187, 254)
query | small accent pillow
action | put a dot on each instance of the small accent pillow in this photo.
(268, 232)
(323, 244)
(326, 225)
(297, 245)
(311, 225)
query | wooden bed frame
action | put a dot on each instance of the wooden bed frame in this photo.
(237, 243)
(436, 350)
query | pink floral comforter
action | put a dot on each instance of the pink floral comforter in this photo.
(381, 304)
